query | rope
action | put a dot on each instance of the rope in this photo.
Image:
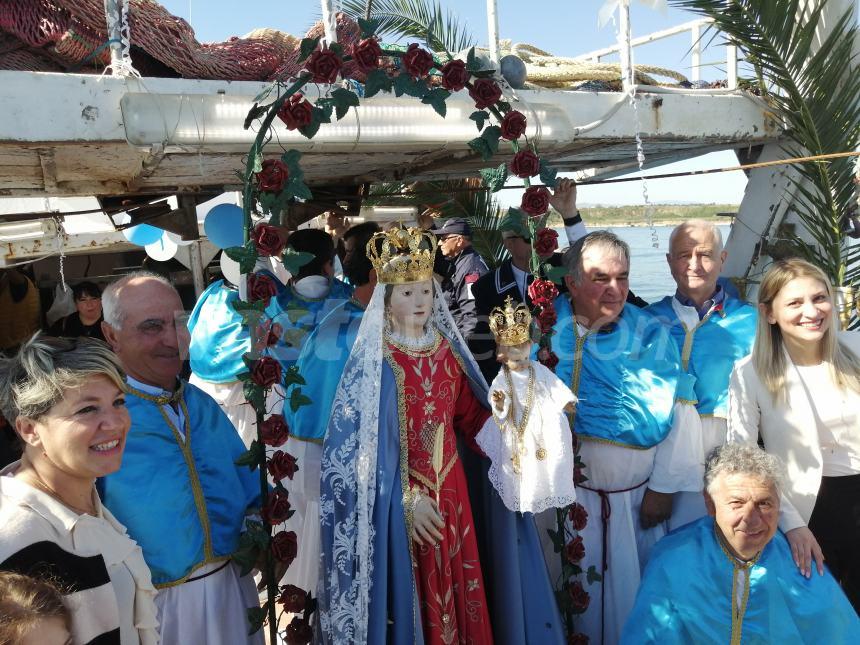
(667, 175)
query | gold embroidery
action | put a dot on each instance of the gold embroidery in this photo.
(399, 382)
(196, 567)
(688, 340)
(443, 474)
(185, 447)
(417, 353)
(737, 612)
(610, 442)
(577, 365)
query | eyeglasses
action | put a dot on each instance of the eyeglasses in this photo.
(448, 237)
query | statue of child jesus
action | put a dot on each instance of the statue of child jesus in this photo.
(528, 438)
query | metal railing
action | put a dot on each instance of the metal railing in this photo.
(695, 28)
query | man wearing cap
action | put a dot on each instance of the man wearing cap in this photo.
(512, 276)
(455, 243)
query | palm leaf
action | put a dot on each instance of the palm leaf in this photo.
(422, 19)
(813, 87)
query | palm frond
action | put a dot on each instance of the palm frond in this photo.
(813, 86)
(422, 19)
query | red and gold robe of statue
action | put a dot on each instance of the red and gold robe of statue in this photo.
(434, 399)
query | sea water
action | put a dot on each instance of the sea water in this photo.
(649, 273)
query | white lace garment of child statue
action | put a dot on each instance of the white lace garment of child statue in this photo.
(528, 438)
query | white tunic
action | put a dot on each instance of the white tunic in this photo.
(541, 483)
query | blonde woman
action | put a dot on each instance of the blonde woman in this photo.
(799, 393)
(66, 400)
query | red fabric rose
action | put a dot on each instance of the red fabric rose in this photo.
(513, 125)
(578, 516)
(546, 242)
(275, 431)
(542, 292)
(485, 92)
(525, 164)
(416, 61)
(579, 597)
(366, 53)
(282, 465)
(299, 632)
(276, 509)
(577, 639)
(285, 546)
(574, 550)
(297, 112)
(269, 240)
(454, 75)
(546, 319)
(535, 200)
(547, 358)
(293, 599)
(261, 287)
(272, 176)
(324, 64)
(266, 372)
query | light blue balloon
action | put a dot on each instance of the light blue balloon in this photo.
(142, 234)
(223, 226)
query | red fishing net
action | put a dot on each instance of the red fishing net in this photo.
(71, 35)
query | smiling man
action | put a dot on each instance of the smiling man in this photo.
(179, 492)
(730, 577)
(712, 330)
(624, 368)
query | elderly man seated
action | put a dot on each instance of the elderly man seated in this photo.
(730, 577)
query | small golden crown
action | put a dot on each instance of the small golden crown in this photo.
(401, 256)
(511, 325)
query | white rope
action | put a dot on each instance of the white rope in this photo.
(61, 235)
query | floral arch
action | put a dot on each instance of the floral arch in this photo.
(271, 184)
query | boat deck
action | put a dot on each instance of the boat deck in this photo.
(67, 134)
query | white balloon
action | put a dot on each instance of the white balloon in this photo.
(230, 269)
(177, 239)
(162, 250)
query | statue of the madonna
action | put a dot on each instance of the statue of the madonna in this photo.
(400, 554)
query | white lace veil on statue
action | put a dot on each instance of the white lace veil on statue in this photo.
(348, 477)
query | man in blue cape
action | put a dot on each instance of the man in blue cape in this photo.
(219, 339)
(730, 577)
(624, 368)
(310, 294)
(179, 492)
(321, 364)
(712, 329)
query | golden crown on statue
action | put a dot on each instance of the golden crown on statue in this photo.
(402, 255)
(510, 325)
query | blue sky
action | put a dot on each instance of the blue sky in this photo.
(564, 28)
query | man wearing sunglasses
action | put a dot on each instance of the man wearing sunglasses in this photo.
(454, 237)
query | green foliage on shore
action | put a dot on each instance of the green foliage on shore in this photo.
(663, 214)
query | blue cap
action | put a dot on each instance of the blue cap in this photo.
(453, 226)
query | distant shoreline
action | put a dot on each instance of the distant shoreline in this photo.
(663, 215)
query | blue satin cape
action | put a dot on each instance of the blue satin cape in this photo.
(218, 337)
(321, 363)
(723, 337)
(686, 596)
(520, 596)
(629, 377)
(184, 503)
(295, 334)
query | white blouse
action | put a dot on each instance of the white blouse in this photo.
(31, 521)
(815, 429)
